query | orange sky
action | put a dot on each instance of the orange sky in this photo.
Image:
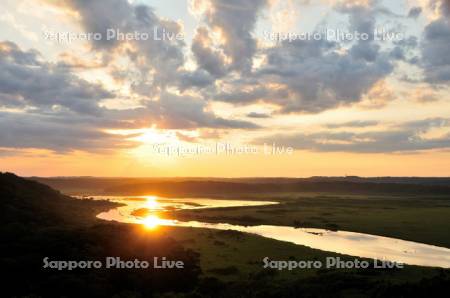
(300, 164)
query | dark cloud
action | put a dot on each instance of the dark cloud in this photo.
(352, 124)
(25, 80)
(310, 76)
(258, 115)
(242, 94)
(173, 111)
(40, 131)
(236, 19)
(414, 12)
(193, 79)
(318, 78)
(361, 17)
(404, 49)
(443, 6)
(156, 59)
(207, 58)
(402, 138)
(435, 47)
(101, 15)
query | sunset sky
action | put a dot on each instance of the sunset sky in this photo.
(214, 75)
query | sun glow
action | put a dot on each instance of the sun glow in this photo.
(152, 203)
(151, 221)
(154, 136)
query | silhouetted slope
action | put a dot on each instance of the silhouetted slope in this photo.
(29, 202)
(38, 222)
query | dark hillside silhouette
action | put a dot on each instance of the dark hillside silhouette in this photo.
(39, 222)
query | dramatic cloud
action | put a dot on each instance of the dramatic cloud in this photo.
(236, 21)
(306, 76)
(319, 78)
(208, 58)
(156, 59)
(25, 80)
(178, 84)
(173, 111)
(406, 137)
(311, 76)
(62, 132)
(247, 91)
(40, 131)
(435, 49)
(61, 112)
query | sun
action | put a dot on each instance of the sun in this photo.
(151, 221)
(155, 136)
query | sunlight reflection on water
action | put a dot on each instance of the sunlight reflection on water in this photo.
(349, 243)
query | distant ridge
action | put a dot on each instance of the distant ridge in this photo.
(207, 186)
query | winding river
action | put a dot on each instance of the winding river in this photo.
(141, 210)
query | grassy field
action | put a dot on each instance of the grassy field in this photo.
(420, 219)
(231, 256)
